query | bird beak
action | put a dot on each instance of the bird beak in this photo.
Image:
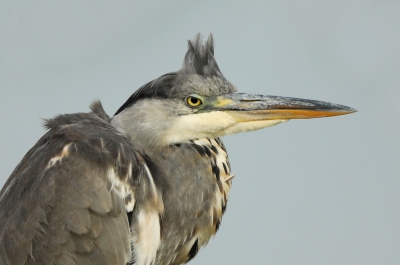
(248, 107)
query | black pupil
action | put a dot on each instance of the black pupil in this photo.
(194, 101)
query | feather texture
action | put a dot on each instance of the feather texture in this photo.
(59, 207)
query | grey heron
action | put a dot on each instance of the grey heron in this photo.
(147, 186)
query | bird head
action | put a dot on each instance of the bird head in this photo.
(199, 102)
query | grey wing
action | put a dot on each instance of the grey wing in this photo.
(61, 204)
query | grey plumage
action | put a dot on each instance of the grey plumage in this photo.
(63, 209)
(147, 186)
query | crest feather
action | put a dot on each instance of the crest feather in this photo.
(199, 58)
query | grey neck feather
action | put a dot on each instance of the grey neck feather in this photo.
(146, 122)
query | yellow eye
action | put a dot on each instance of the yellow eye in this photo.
(193, 101)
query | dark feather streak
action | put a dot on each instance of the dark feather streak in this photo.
(199, 149)
(193, 250)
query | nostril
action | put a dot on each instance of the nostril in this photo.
(250, 100)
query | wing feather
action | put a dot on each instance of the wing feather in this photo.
(60, 206)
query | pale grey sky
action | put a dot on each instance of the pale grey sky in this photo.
(323, 191)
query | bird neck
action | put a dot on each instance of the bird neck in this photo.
(144, 126)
